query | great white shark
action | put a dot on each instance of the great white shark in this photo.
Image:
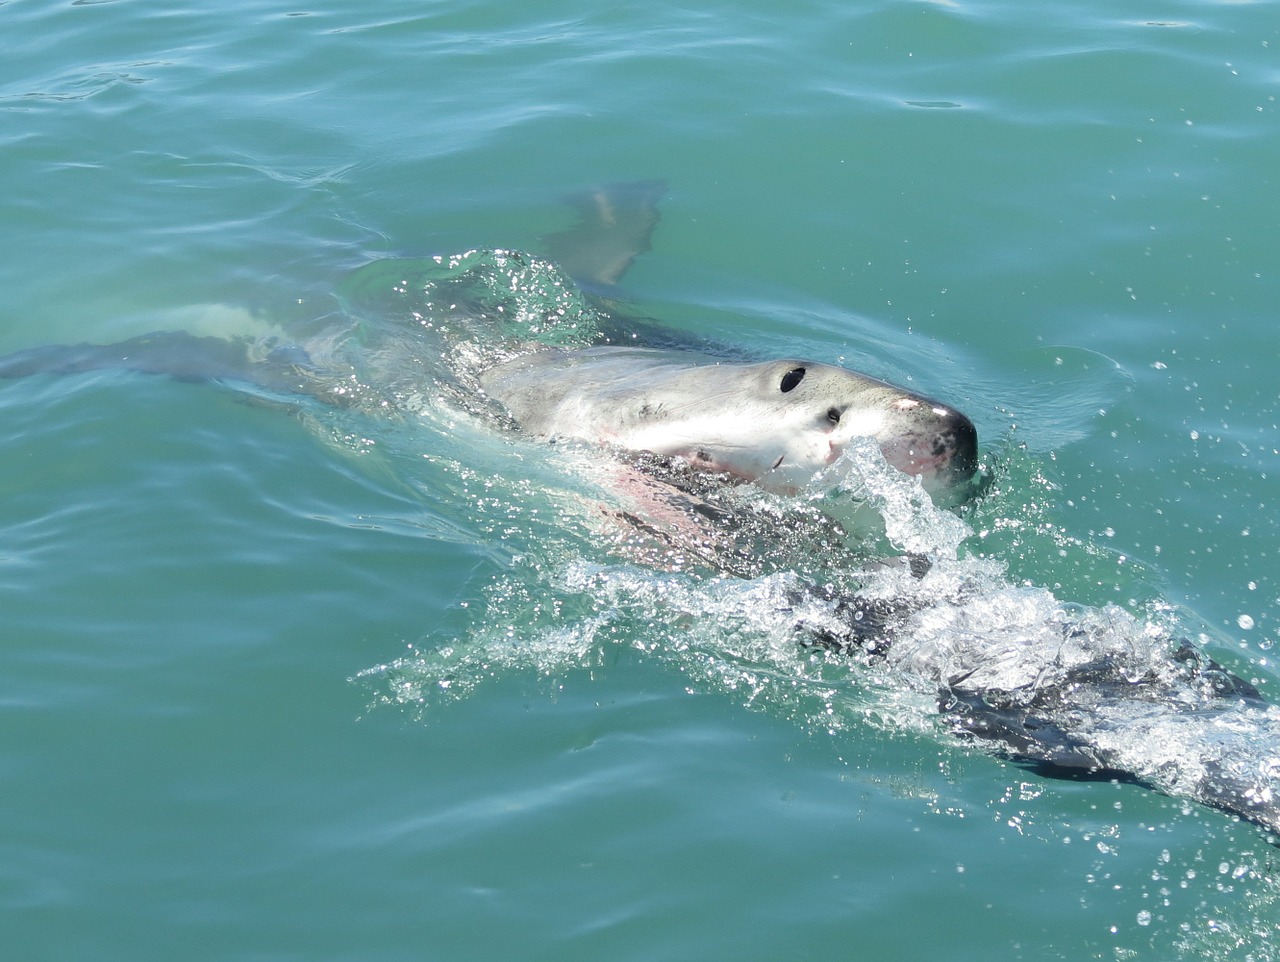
(778, 424)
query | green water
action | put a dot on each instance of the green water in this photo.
(1061, 218)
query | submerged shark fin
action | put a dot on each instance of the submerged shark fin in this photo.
(177, 354)
(615, 226)
(185, 357)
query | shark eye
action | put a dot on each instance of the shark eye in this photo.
(833, 415)
(791, 379)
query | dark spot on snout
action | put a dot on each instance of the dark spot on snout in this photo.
(791, 379)
(961, 438)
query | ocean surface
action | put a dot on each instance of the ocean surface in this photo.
(284, 681)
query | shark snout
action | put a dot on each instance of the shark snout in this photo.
(935, 442)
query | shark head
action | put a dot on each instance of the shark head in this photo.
(775, 423)
(778, 423)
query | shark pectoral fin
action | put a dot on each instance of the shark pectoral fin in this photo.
(616, 222)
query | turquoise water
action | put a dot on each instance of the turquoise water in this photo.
(225, 621)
